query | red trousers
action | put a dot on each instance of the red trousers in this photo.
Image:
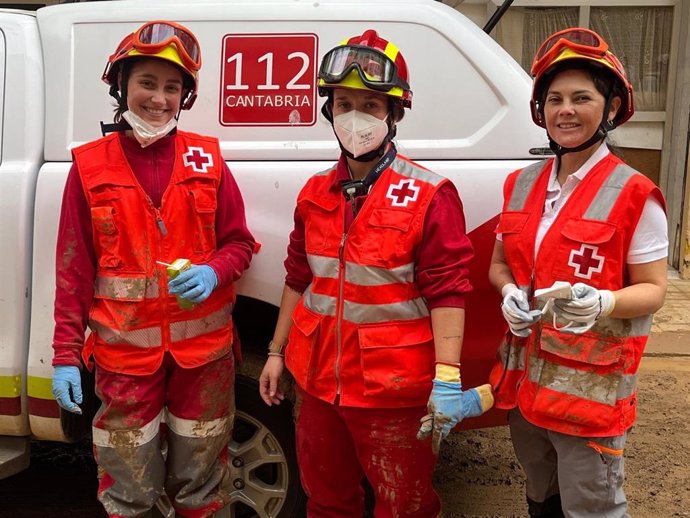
(197, 406)
(337, 446)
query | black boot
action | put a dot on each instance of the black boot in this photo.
(549, 508)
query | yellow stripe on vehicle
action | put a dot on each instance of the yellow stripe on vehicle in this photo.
(40, 387)
(11, 386)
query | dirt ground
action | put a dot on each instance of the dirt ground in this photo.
(478, 475)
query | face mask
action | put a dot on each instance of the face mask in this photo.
(144, 132)
(359, 132)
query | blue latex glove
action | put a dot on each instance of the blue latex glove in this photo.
(448, 405)
(194, 284)
(66, 379)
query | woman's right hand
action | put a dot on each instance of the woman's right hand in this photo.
(269, 381)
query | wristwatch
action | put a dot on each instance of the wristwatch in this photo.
(276, 350)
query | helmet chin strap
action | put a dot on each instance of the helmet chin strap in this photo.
(600, 134)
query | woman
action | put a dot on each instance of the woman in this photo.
(588, 220)
(134, 202)
(373, 302)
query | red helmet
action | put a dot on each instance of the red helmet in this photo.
(163, 40)
(567, 47)
(366, 62)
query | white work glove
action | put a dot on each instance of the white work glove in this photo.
(586, 306)
(515, 307)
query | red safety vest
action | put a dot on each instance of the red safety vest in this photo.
(584, 384)
(362, 330)
(133, 318)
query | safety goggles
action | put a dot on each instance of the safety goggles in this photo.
(154, 36)
(581, 41)
(376, 70)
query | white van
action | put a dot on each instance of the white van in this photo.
(470, 122)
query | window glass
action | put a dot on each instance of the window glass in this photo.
(539, 23)
(643, 51)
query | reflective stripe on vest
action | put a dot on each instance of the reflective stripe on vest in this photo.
(145, 337)
(523, 185)
(329, 267)
(186, 329)
(408, 169)
(148, 337)
(366, 313)
(113, 287)
(582, 384)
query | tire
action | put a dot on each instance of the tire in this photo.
(262, 458)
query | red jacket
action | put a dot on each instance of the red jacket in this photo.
(133, 318)
(362, 330)
(576, 384)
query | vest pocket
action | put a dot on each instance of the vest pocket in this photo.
(386, 236)
(204, 203)
(397, 358)
(321, 226)
(299, 353)
(106, 236)
(511, 222)
(577, 376)
(585, 249)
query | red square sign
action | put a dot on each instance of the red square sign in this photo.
(268, 80)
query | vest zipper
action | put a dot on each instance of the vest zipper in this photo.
(160, 222)
(339, 312)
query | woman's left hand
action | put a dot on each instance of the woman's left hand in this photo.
(587, 305)
(269, 381)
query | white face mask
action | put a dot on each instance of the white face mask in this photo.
(359, 132)
(144, 132)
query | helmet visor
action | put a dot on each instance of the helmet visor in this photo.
(375, 69)
(582, 41)
(155, 36)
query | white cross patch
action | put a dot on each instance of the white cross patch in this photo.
(198, 159)
(586, 261)
(403, 193)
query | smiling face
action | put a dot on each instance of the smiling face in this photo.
(154, 90)
(573, 108)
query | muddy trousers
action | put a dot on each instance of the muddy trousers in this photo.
(569, 476)
(337, 446)
(187, 458)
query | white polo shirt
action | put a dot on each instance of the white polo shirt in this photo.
(650, 239)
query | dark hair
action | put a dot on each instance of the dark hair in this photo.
(604, 81)
(122, 76)
(395, 107)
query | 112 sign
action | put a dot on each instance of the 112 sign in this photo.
(268, 80)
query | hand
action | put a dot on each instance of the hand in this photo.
(269, 381)
(195, 284)
(586, 306)
(515, 307)
(448, 404)
(66, 379)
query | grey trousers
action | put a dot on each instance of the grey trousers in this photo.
(587, 472)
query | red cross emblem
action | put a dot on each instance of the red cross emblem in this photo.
(586, 261)
(198, 159)
(403, 193)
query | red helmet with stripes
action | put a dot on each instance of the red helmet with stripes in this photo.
(366, 62)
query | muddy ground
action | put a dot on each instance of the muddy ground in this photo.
(477, 474)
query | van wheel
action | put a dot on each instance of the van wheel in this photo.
(263, 462)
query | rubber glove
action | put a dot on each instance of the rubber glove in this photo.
(448, 404)
(586, 306)
(515, 307)
(66, 379)
(195, 284)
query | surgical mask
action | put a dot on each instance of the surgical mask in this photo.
(144, 132)
(359, 132)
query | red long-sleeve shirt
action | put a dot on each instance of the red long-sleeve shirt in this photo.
(442, 258)
(76, 258)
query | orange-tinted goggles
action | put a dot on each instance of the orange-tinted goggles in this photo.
(158, 34)
(579, 40)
